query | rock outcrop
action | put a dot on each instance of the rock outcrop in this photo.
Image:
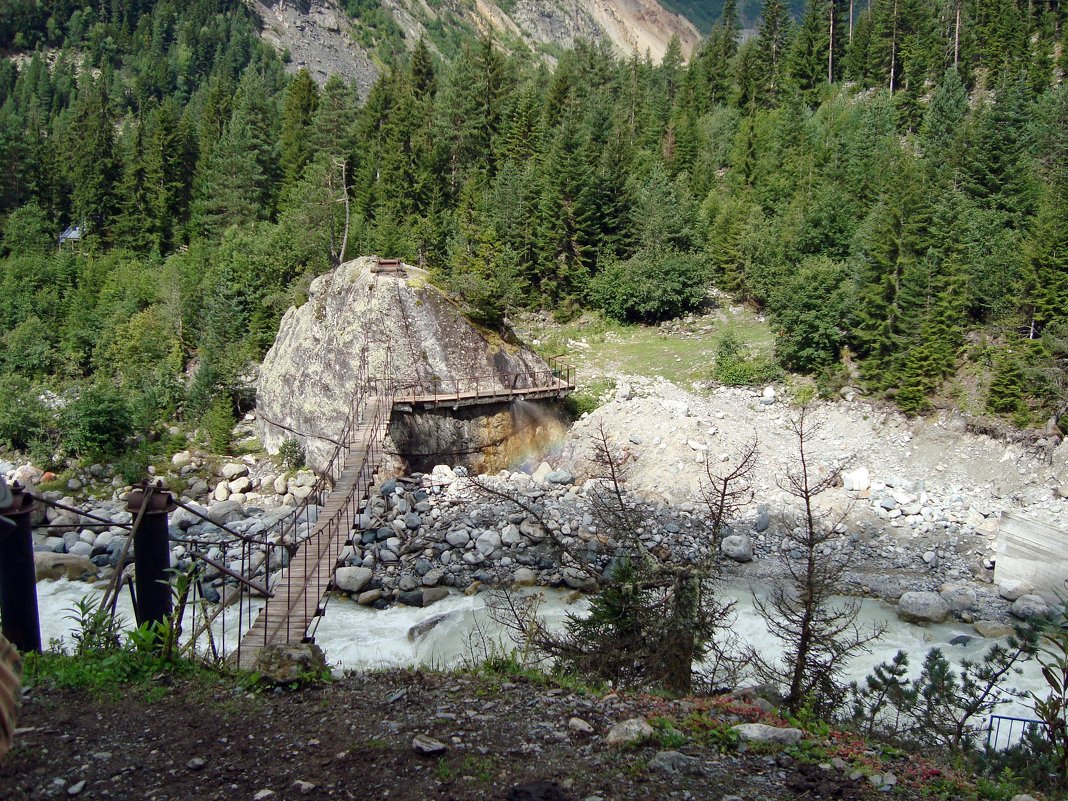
(385, 326)
(317, 35)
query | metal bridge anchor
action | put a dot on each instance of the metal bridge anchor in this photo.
(18, 576)
(152, 552)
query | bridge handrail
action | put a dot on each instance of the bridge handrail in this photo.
(372, 399)
(558, 375)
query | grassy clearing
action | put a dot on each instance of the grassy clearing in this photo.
(682, 352)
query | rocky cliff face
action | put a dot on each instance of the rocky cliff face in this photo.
(401, 328)
(319, 35)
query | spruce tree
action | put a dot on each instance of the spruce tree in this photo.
(893, 245)
(229, 188)
(772, 44)
(298, 109)
(94, 169)
(996, 174)
(565, 218)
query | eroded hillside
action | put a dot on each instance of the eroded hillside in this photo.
(322, 36)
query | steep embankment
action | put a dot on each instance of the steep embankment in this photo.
(321, 36)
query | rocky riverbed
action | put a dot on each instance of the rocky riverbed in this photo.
(919, 506)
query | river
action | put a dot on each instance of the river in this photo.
(359, 638)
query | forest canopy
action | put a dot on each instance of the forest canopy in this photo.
(888, 182)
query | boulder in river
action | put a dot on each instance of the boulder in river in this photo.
(922, 607)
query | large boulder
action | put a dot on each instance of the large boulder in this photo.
(738, 547)
(1028, 606)
(349, 313)
(290, 662)
(922, 607)
(959, 597)
(51, 565)
(352, 579)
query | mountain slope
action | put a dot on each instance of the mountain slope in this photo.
(354, 38)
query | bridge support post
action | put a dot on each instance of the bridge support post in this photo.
(18, 576)
(152, 553)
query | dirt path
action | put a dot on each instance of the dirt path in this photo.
(353, 740)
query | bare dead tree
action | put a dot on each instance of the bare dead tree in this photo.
(729, 488)
(820, 633)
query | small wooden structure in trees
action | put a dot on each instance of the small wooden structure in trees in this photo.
(387, 266)
(71, 238)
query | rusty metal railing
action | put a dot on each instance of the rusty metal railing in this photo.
(558, 376)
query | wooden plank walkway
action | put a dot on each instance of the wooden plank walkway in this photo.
(302, 585)
(473, 397)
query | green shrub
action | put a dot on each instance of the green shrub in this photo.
(132, 466)
(737, 366)
(812, 308)
(650, 286)
(218, 424)
(23, 418)
(587, 400)
(96, 423)
(291, 454)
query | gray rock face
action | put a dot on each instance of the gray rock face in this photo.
(349, 312)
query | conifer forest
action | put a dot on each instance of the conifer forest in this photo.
(887, 181)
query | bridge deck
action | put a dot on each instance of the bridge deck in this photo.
(302, 586)
(481, 395)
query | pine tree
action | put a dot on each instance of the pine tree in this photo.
(166, 159)
(94, 169)
(229, 188)
(943, 127)
(996, 174)
(772, 45)
(333, 127)
(710, 71)
(423, 75)
(1045, 296)
(565, 218)
(298, 109)
(893, 247)
(807, 60)
(133, 224)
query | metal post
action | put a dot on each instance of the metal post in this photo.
(18, 576)
(152, 553)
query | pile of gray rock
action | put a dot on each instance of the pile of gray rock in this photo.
(422, 536)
